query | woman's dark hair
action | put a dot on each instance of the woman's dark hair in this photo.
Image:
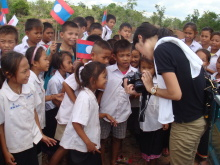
(30, 52)
(90, 70)
(210, 30)
(215, 33)
(147, 30)
(58, 57)
(206, 52)
(9, 65)
(190, 25)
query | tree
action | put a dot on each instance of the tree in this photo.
(193, 17)
(20, 7)
(160, 14)
(209, 19)
(131, 4)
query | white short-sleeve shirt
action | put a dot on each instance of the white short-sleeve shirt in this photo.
(115, 101)
(213, 60)
(17, 115)
(54, 86)
(39, 86)
(194, 45)
(86, 113)
(151, 122)
(106, 33)
(67, 105)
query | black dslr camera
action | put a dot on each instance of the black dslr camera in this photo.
(136, 80)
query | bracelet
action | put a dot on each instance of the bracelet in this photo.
(153, 90)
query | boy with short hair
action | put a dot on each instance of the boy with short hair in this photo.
(125, 30)
(120, 107)
(48, 34)
(95, 28)
(8, 38)
(107, 29)
(82, 24)
(89, 21)
(34, 31)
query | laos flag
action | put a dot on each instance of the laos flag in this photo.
(61, 11)
(104, 18)
(84, 49)
(5, 6)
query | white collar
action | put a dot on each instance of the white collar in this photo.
(107, 28)
(59, 76)
(130, 69)
(35, 77)
(90, 93)
(11, 95)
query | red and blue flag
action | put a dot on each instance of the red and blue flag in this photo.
(84, 49)
(5, 6)
(104, 18)
(2, 19)
(61, 11)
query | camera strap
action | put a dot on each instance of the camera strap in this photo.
(144, 103)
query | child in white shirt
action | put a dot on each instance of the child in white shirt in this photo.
(107, 29)
(82, 134)
(19, 123)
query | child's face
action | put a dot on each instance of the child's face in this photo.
(123, 59)
(35, 35)
(7, 42)
(23, 73)
(88, 25)
(205, 37)
(67, 64)
(203, 57)
(48, 35)
(96, 32)
(135, 58)
(147, 67)
(70, 35)
(125, 32)
(103, 56)
(111, 23)
(101, 81)
(218, 65)
(189, 34)
(43, 63)
(215, 42)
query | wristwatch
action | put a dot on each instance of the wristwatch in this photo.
(153, 90)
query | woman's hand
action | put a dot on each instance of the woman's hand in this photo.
(9, 159)
(91, 147)
(147, 80)
(48, 141)
(165, 127)
(129, 89)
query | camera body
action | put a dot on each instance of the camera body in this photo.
(136, 80)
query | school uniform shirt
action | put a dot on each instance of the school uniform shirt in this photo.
(115, 101)
(85, 35)
(67, 105)
(17, 115)
(151, 122)
(39, 86)
(42, 43)
(86, 113)
(54, 87)
(106, 33)
(213, 60)
(23, 47)
(194, 45)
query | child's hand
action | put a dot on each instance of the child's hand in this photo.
(112, 120)
(165, 126)
(9, 159)
(129, 89)
(53, 48)
(91, 147)
(59, 97)
(48, 141)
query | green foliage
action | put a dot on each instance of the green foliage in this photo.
(19, 7)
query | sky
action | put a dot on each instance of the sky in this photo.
(174, 8)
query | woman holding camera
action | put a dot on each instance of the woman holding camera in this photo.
(180, 88)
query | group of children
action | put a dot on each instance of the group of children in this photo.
(48, 93)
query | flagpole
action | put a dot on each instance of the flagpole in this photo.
(56, 33)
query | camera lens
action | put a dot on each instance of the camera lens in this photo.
(139, 86)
